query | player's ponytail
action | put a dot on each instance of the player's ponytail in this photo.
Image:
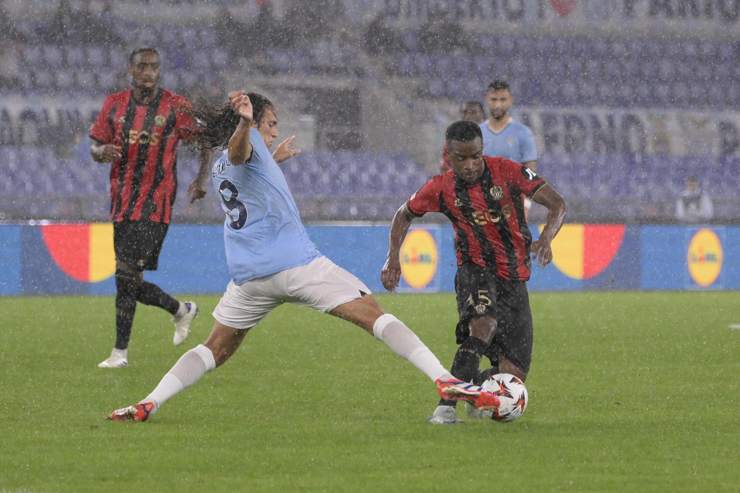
(217, 123)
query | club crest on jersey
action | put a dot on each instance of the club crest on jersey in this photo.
(458, 202)
(496, 192)
(159, 120)
(121, 120)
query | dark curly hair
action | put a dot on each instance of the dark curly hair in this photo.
(217, 123)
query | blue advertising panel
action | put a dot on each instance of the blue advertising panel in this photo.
(10, 260)
(78, 258)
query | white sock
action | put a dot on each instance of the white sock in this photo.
(188, 370)
(121, 353)
(406, 344)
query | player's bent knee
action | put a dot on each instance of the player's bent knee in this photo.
(483, 328)
(224, 341)
(362, 311)
(128, 270)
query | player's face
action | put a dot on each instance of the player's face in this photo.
(499, 103)
(472, 113)
(268, 127)
(466, 159)
(144, 70)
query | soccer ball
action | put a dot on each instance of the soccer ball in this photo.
(511, 392)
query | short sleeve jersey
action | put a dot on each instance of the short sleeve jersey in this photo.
(263, 232)
(515, 142)
(143, 183)
(487, 216)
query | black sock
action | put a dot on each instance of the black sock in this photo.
(485, 375)
(466, 362)
(126, 290)
(151, 294)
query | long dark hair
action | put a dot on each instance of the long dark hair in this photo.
(218, 122)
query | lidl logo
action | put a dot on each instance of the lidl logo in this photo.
(583, 251)
(418, 258)
(82, 251)
(705, 257)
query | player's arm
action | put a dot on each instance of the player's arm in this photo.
(391, 273)
(528, 149)
(102, 131)
(285, 150)
(105, 153)
(240, 148)
(197, 189)
(553, 201)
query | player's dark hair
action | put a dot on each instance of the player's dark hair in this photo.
(473, 102)
(141, 50)
(217, 123)
(463, 131)
(499, 85)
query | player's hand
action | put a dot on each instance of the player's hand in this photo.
(391, 273)
(109, 153)
(542, 251)
(196, 191)
(241, 104)
(285, 150)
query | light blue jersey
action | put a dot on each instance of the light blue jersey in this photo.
(263, 232)
(515, 142)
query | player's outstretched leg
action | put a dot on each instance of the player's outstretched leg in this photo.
(221, 344)
(366, 313)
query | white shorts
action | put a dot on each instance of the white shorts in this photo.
(320, 284)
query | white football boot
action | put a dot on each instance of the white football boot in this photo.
(118, 359)
(444, 415)
(182, 323)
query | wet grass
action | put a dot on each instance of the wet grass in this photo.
(628, 392)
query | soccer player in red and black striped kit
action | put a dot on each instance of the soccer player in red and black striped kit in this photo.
(138, 131)
(482, 197)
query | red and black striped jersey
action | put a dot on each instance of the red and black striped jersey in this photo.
(143, 182)
(487, 216)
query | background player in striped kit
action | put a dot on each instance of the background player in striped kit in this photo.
(138, 131)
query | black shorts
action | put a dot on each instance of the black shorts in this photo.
(138, 243)
(480, 292)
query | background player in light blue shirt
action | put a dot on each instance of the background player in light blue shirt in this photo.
(271, 261)
(502, 135)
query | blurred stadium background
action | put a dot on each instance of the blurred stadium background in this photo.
(627, 98)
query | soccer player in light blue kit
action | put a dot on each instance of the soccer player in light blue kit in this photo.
(502, 135)
(272, 260)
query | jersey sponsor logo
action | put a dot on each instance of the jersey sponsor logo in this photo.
(82, 251)
(142, 137)
(490, 216)
(583, 251)
(419, 258)
(704, 257)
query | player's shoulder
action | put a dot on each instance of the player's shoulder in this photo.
(177, 100)
(118, 96)
(442, 179)
(519, 127)
(498, 163)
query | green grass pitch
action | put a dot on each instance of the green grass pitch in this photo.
(628, 392)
